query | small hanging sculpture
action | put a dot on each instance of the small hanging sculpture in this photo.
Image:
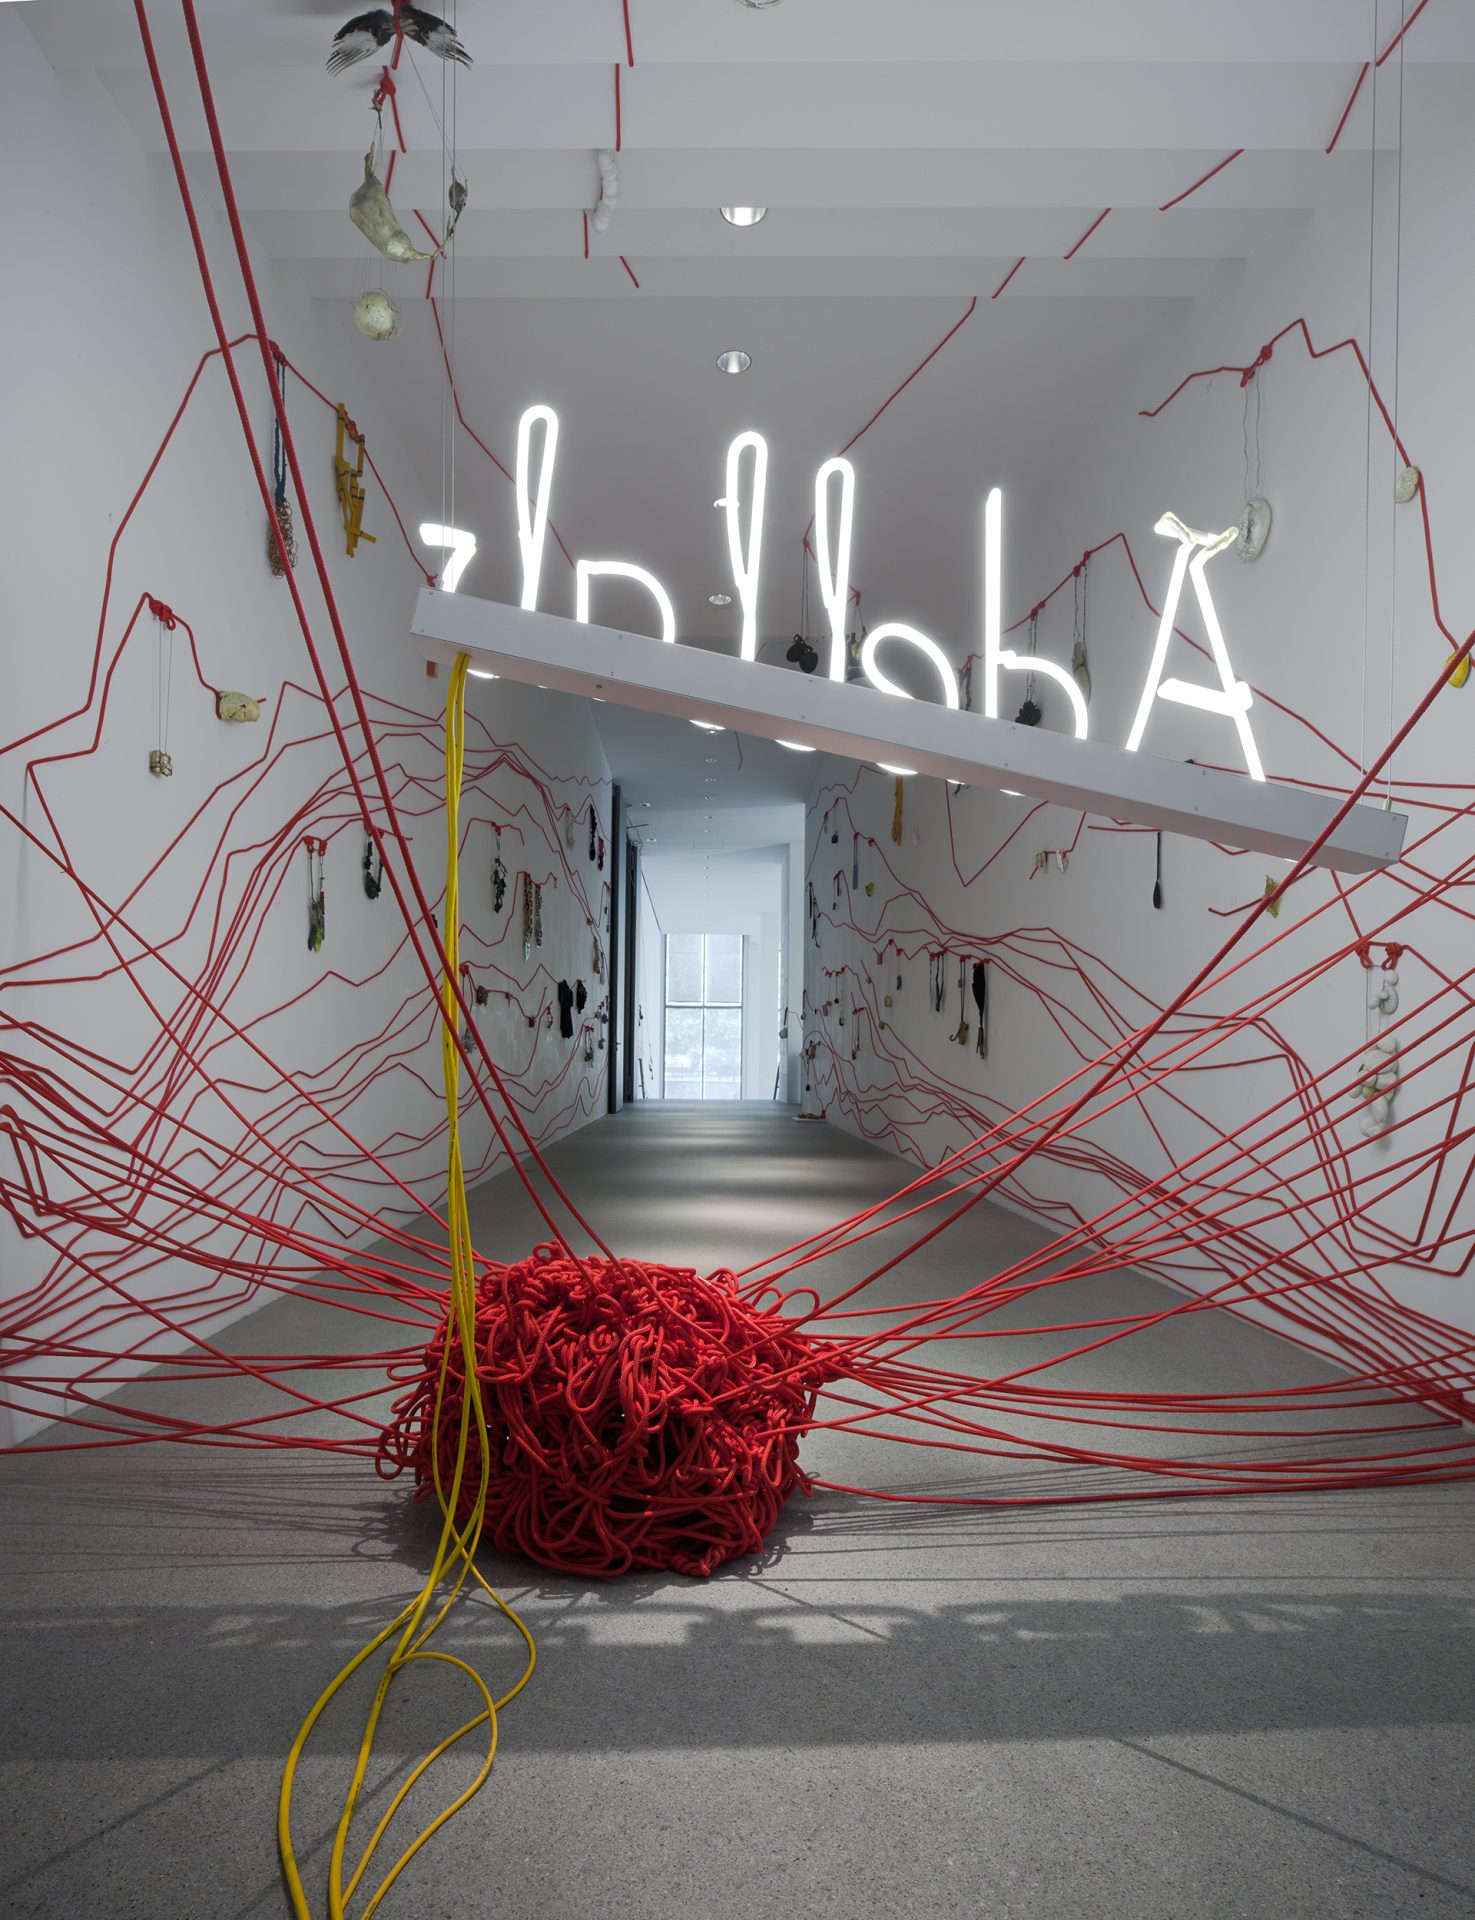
(980, 1000)
(350, 483)
(370, 211)
(373, 867)
(317, 895)
(370, 33)
(499, 877)
(239, 707)
(1078, 664)
(281, 541)
(1031, 713)
(527, 917)
(537, 916)
(161, 765)
(1379, 1065)
(375, 315)
(961, 1036)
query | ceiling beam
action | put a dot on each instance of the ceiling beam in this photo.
(860, 723)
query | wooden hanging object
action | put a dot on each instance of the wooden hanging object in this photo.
(350, 483)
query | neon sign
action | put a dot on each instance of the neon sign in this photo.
(833, 524)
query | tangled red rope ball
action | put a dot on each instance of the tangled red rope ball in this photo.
(640, 1416)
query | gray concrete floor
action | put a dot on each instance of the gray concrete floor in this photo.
(1254, 1706)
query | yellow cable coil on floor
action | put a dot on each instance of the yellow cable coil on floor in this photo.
(456, 1549)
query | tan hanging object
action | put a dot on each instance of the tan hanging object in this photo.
(236, 706)
(350, 483)
(896, 815)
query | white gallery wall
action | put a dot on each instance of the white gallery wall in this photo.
(100, 354)
(1333, 627)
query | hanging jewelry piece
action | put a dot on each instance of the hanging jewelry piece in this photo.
(160, 763)
(597, 963)
(593, 832)
(938, 988)
(317, 895)
(980, 1000)
(835, 831)
(961, 1036)
(568, 827)
(527, 917)
(499, 877)
(1157, 885)
(855, 861)
(896, 814)
(537, 916)
(350, 483)
(281, 539)
(373, 867)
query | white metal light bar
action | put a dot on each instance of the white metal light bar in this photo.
(632, 670)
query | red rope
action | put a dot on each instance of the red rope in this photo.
(1203, 181)
(1087, 234)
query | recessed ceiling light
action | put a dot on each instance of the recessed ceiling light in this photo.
(709, 726)
(709, 760)
(719, 599)
(905, 772)
(734, 360)
(793, 746)
(742, 216)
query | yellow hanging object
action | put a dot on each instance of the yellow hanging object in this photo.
(896, 813)
(350, 481)
(1271, 883)
(1459, 671)
(455, 1553)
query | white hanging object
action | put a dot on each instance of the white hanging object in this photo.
(609, 190)
(1254, 529)
(375, 315)
(1406, 485)
(236, 706)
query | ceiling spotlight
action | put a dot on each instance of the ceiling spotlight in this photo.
(719, 599)
(734, 360)
(801, 651)
(758, 6)
(793, 746)
(709, 726)
(905, 772)
(743, 216)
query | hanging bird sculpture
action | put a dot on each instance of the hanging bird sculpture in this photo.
(368, 33)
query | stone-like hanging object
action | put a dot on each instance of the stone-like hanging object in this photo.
(236, 706)
(370, 211)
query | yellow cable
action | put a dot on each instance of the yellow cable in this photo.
(456, 1548)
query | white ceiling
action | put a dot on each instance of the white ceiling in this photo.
(909, 151)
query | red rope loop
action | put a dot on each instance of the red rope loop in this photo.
(166, 616)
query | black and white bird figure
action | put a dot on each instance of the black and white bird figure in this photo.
(369, 33)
